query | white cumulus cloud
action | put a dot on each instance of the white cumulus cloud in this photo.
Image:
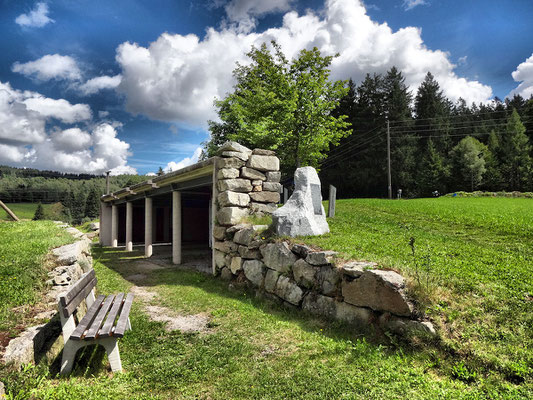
(524, 75)
(173, 166)
(36, 18)
(50, 66)
(26, 141)
(176, 78)
(246, 12)
(94, 85)
(60, 109)
(410, 4)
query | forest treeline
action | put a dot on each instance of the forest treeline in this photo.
(436, 145)
(76, 197)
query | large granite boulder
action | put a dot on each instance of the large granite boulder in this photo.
(303, 214)
(379, 290)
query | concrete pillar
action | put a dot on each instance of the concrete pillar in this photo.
(105, 224)
(129, 226)
(148, 227)
(176, 227)
(114, 226)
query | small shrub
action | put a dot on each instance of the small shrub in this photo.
(39, 213)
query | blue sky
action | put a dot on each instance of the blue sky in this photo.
(128, 85)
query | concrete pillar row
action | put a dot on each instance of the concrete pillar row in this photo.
(176, 227)
(129, 226)
(148, 227)
(114, 226)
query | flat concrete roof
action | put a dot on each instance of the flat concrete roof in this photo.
(195, 174)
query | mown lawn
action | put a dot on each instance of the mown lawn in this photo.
(21, 210)
(257, 349)
(23, 247)
(473, 262)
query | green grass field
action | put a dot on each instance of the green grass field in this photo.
(23, 246)
(473, 258)
(22, 210)
(474, 270)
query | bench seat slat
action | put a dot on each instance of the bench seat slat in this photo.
(87, 318)
(77, 287)
(122, 323)
(75, 302)
(97, 322)
(110, 321)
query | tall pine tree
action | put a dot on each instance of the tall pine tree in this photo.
(515, 159)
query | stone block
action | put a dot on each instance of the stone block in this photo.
(319, 305)
(288, 290)
(257, 183)
(304, 274)
(225, 274)
(301, 250)
(265, 197)
(226, 247)
(329, 279)
(278, 256)
(273, 176)
(235, 265)
(355, 269)
(352, 315)
(272, 187)
(94, 226)
(321, 257)
(235, 185)
(232, 229)
(228, 173)
(236, 154)
(249, 254)
(254, 271)
(231, 215)
(252, 174)
(303, 213)
(219, 232)
(232, 162)
(234, 146)
(220, 259)
(263, 152)
(70, 253)
(263, 163)
(406, 327)
(233, 199)
(271, 279)
(379, 290)
(244, 236)
(257, 188)
(261, 208)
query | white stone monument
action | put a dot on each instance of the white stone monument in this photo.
(302, 214)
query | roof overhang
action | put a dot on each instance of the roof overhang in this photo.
(193, 176)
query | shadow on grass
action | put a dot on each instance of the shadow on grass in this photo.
(169, 274)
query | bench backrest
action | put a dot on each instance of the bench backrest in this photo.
(77, 293)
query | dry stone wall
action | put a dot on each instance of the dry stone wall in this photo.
(72, 261)
(354, 292)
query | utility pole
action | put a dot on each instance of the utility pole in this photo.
(107, 182)
(388, 161)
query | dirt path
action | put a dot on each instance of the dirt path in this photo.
(172, 320)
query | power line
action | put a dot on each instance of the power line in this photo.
(355, 146)
(452, 116)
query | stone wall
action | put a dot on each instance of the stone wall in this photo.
(315, 281)
(45, 339)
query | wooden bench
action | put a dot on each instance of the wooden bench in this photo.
(106, 320)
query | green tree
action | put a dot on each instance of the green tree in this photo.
(283, 106)
(515, 159)
(434, 171)
(39, 213)
(469, 158)
(92, 205)
(160, 171)
(493, 176)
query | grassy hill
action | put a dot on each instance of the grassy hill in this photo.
(21, 210)
(471, 268)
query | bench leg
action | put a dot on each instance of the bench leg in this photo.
(69, 353)
(111, 348)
